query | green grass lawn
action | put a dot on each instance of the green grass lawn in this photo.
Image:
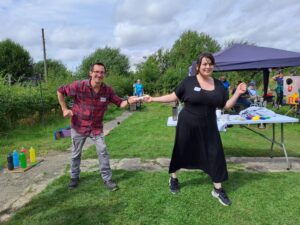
(146, 135)
(38, 136)
(41, 136)
(144, 198)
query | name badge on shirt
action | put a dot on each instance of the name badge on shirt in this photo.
(197, 89)
(102, 99)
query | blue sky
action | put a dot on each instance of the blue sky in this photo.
(75, 28)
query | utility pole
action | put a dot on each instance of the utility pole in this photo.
(9, 79)
(44, 50)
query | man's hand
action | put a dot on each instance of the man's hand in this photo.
(67, 113)
(132, 99)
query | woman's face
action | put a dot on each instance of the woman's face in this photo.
(206, 67)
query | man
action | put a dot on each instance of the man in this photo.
(254, 97)
(253, 91)
(91, 98)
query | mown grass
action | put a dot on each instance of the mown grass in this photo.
(144, 198)
(146, 135)
(41, 136)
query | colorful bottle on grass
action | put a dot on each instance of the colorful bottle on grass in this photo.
(16, 159)
(10, 163)
(24, 150)
(32, 155)
(23, 160)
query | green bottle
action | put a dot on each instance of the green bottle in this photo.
(23, 160)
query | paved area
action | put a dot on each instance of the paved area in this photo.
(17, 189)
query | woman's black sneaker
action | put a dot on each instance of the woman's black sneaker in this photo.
(174, 185)
(221, 195)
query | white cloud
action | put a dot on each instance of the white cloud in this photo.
(148, 12)
(72, 37)
(75, 28)
(127, 34)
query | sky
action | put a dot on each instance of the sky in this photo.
(74, 29)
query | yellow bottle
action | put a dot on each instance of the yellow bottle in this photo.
(32, 155)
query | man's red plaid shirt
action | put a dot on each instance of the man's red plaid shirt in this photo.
(89, 107)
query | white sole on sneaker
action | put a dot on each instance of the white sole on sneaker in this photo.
(215, 195)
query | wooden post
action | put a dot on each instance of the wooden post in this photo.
(9, 79)
(45, 59)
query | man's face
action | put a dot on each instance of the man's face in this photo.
(97, 74)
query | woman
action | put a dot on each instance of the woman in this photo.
(197, 143)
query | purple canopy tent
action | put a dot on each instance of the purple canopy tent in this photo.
(249, 57)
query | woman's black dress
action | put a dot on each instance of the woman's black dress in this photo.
(197, 143)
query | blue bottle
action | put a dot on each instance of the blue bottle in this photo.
(16, 159)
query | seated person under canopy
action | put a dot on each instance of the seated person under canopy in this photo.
(243, 98)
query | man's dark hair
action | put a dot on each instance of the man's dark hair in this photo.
(98, 64)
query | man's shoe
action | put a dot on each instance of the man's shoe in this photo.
(221, 195)
(111, 185)
(73, 183)
(174, 185)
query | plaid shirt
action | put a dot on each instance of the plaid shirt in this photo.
(89, 107)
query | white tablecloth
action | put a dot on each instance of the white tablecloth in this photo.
(237, 119)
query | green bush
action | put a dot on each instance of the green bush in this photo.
(30, 101)
(121, 85)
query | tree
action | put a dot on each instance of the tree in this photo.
(149, 72)
(56, 69)
(115, 62)
(163, 70)
(189, 45)
(15, 60)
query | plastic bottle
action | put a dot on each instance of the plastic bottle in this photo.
(32, 155)
(174, 113)
(25, 153)
(10, 163)
(23, 160)
(16, 159)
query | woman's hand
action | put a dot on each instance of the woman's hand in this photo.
(147, 98)
(241, 88)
